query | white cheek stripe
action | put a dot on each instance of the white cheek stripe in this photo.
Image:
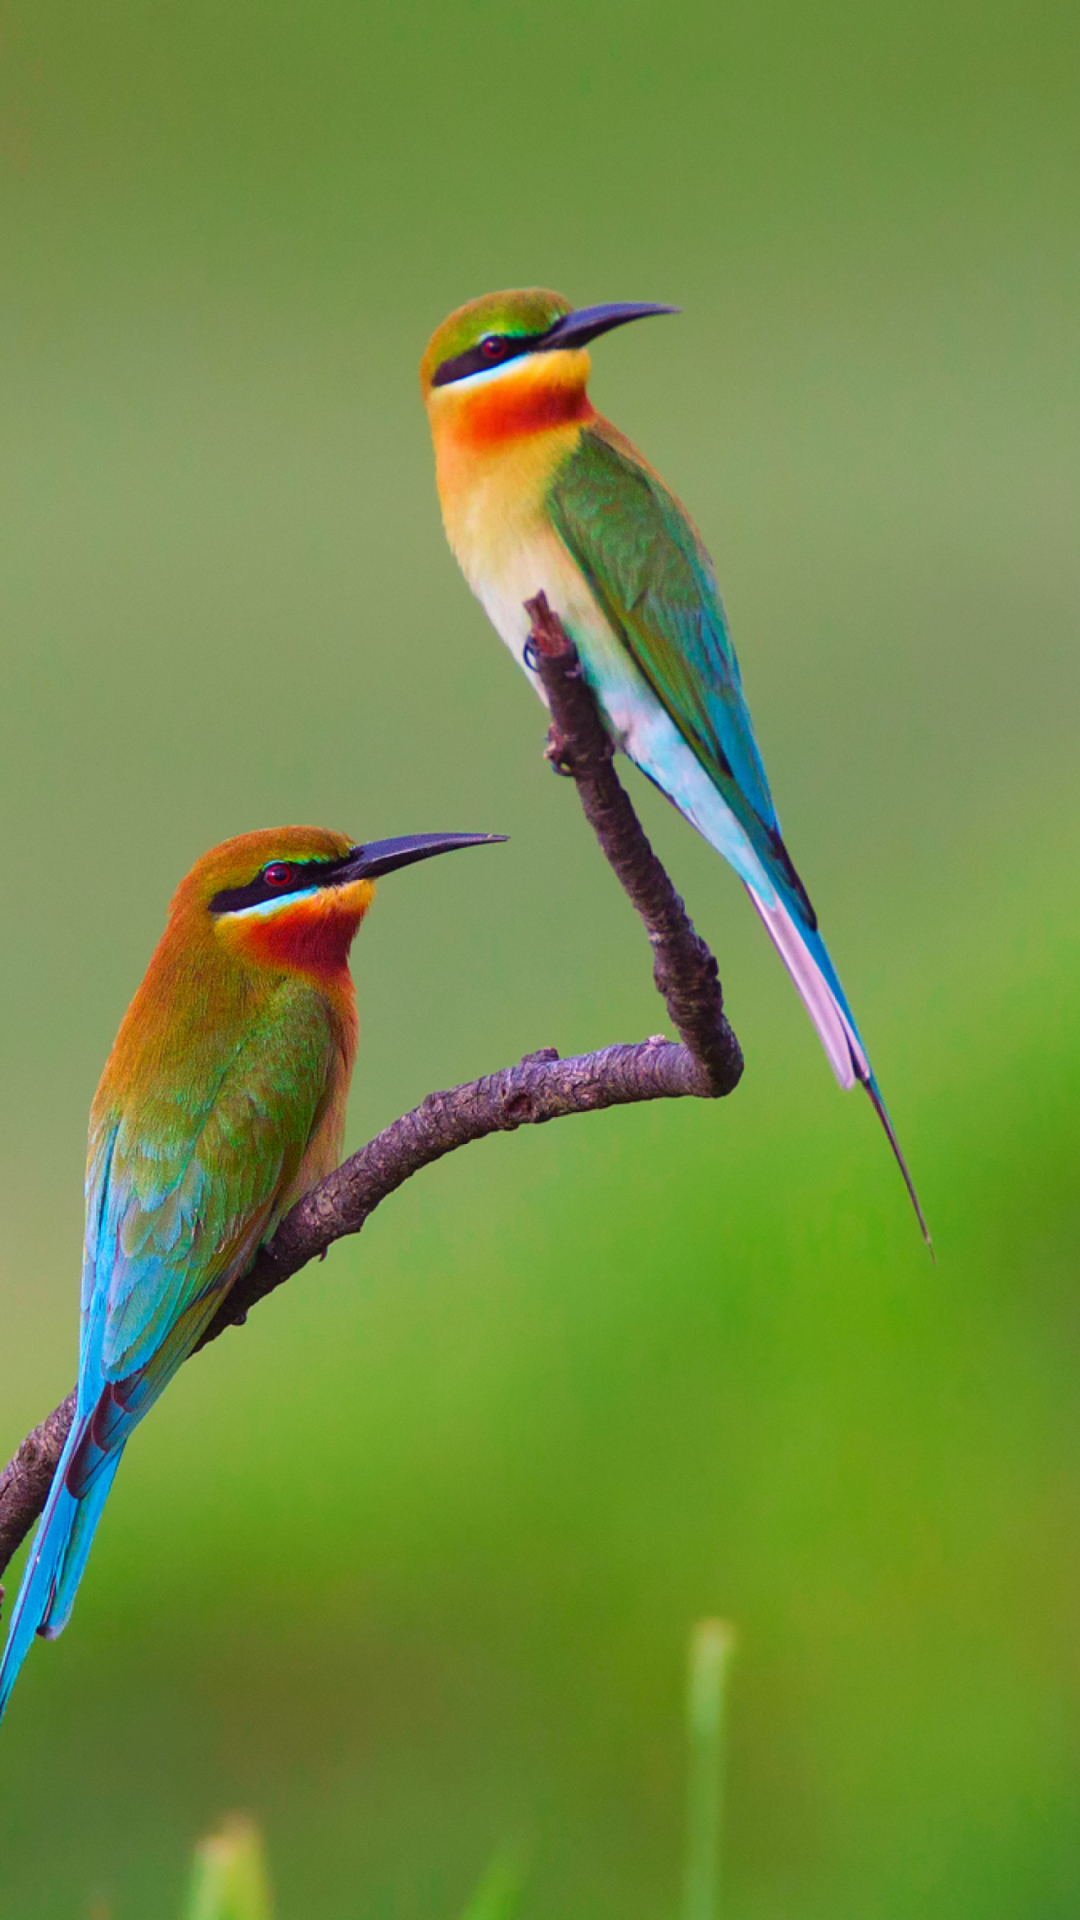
(265, 909)
(488, 375)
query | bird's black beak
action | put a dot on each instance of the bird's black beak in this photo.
(577, 329)
(385, 856)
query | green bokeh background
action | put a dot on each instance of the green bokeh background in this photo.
(407, 1566)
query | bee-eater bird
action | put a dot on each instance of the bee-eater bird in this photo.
(540, 492)
(221, 1104)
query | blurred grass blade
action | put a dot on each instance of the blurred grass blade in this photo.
(230, 1880)
(497, 1896)
(711, 1645)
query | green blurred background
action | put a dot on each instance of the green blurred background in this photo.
(407, 1566)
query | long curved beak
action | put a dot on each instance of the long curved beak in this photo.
(577, 329)
(385, 856)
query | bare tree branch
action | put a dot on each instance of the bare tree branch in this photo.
(683, 968)
(540, 1088)
(25, 1481)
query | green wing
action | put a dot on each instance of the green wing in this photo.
(645, 563)
(183, 1192)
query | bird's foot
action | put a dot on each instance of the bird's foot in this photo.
(557, 753)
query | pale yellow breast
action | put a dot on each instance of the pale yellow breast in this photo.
(494, 511)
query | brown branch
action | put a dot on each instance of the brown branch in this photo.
(540, 1088)
(683, 968)
(25, 1481)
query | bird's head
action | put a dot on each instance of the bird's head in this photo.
(291, 898)
(516, 361)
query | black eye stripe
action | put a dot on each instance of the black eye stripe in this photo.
(477, 360)
(303, 875)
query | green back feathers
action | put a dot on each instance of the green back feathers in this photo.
(643, 559)
(185, 1182)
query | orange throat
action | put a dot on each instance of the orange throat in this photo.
(310, 935)
(530, 396)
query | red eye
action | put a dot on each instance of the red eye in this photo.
(493, 347)
(277, 874)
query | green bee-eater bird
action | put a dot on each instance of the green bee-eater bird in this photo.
(221, 1104)
(540, 492)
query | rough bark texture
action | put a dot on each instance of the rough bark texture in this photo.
(683, 967)
(25, 1481)
(540, 1088)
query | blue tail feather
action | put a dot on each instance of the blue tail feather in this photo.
(40, 1575)
(807, 959)
(653, 741)
(89, 1508)
(57, 1560)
